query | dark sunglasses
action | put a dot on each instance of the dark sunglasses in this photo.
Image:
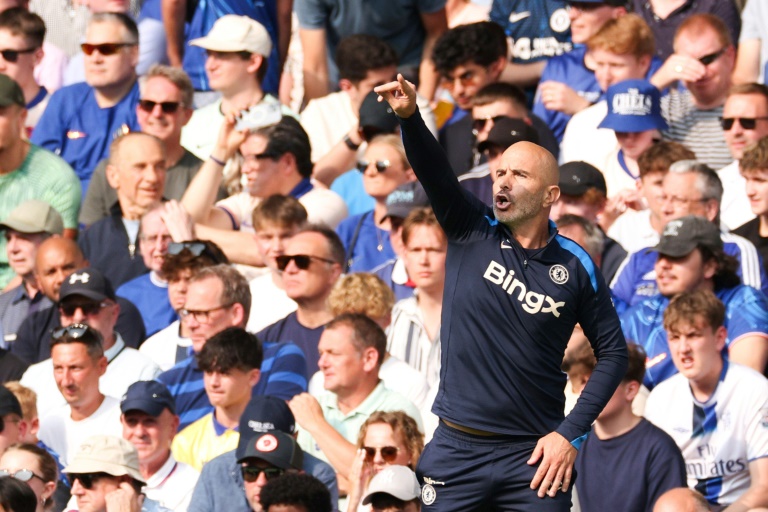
(87, 479)
(381, 165)
(13, 55)
(196, 248)
(251, 473)
(388, 453)
(89, 308)
(748, 123)
(104, 48)
(74, 331)
(478, 125)
(302, 261)
(23, 475)
(168, 107)
(712, 57)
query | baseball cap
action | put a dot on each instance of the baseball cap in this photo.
(264, 414)
(276, 447)
(148, 396)
(87, 282)
(406, 198)
(106, 454)
(377, 115)
(633, 106)
(507, 131)
(232, 33)
(34, 216)
(578, 177)
(683, 235)
(397, 481)
(8, 402)
(10, 92)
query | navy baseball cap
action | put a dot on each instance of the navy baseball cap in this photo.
(377, 116)
(89, 283)
(148, 396)
(276, 447)
(507, 131)
(406, 198)
(633, 106)
(266, 413)
(578, 177)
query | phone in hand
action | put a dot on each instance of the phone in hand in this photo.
(259, 116)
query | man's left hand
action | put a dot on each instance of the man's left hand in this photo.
(307, 411)
(557, 456)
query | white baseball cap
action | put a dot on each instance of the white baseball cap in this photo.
(232, 33)
(397, 481)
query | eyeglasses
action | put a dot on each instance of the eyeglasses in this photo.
(678, 202)
(748, 123)
(251, 473)
(13, 55)
(168, 107)
(196, 248)
(105, 49)
(302, 261)
(712, 57)
(388, 453)
(478, 125)
(23, 475)
(267, 155)
(87, 479)
(381, 165)
(202, 316)
(88, 308)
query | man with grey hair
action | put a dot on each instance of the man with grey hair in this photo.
(689, 188)
(584, 232)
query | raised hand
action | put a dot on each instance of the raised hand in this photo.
(400, 94)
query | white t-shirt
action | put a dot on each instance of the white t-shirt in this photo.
(734, 207)
(162, 346)
(633, 230)
(617, 178)
(65, 436)
(720, 437)
(269, 303)
(584, 141)
(172, 485)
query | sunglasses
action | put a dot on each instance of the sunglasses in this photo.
(388, 453)
(23, 475)
(104, 48)
(13, 55)
(88, 308)
(251, 473)
(381, 165)
(87, 479)
(748, 123)
(267, 155)
(168, 107)
(302, 261)
(478, 125)
(74, 331)
(712, 57)
(196, 248)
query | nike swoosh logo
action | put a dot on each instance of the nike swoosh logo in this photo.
(505, 245)
(517, 16)
(649, 363)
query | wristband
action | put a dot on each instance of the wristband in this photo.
(350, 144)
(216, 161)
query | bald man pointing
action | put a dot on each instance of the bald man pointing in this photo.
(514, 290)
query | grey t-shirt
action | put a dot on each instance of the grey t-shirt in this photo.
(754, 25)
(101, 196)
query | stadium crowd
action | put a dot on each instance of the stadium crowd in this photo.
(250, 255)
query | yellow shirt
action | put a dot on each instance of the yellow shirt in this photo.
(203, 440)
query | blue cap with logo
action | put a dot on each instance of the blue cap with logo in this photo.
(633, 106)
(148, 396)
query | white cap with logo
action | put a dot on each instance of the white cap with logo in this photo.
(232, 33)
(397, 481)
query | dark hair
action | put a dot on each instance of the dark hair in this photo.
(20, 21)
(636, 368)
(358, 54)
(685, 307)
(91, 338)
(336, 250)
(660, 156)
(727, 267)
(298, 489)
(288, 136)
(235, 288)
(17, 496)
(500, 91)
(283, 211)
(481, 43)
(365, 332)
(232, 349)
(122, 19)
(175, 264)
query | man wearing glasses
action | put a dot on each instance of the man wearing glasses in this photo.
(81, 120)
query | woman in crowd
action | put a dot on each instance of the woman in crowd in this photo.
(36, 467)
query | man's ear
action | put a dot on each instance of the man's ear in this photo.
(346, 85)
(113, 176)
(551, 195)
(370, 359)
(497, 67)
(255, 62)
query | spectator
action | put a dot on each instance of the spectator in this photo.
(709, 386)
(302, 493)
(218, 297)
(752, 54)
(150, 423)
(37, 468)
(221, 481)
(658, 467)
(681, 499)
(86, 297)
(136, 171)
(351, 351)
(107, 99)
(691, 257)
(230, 362)
(275, 220)
(411, 29)
(26, 227)
(366, 237)
(311, 265)
(29, 171)
(16, 496)
(585, 233)
(703, 62)
(395, 488)
(57, 259)
(15, 427)
(754, 169)
(164, 108)
(747, 104)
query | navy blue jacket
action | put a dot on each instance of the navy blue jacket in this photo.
(508, 313)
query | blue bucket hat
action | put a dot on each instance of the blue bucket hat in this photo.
(633, 106)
